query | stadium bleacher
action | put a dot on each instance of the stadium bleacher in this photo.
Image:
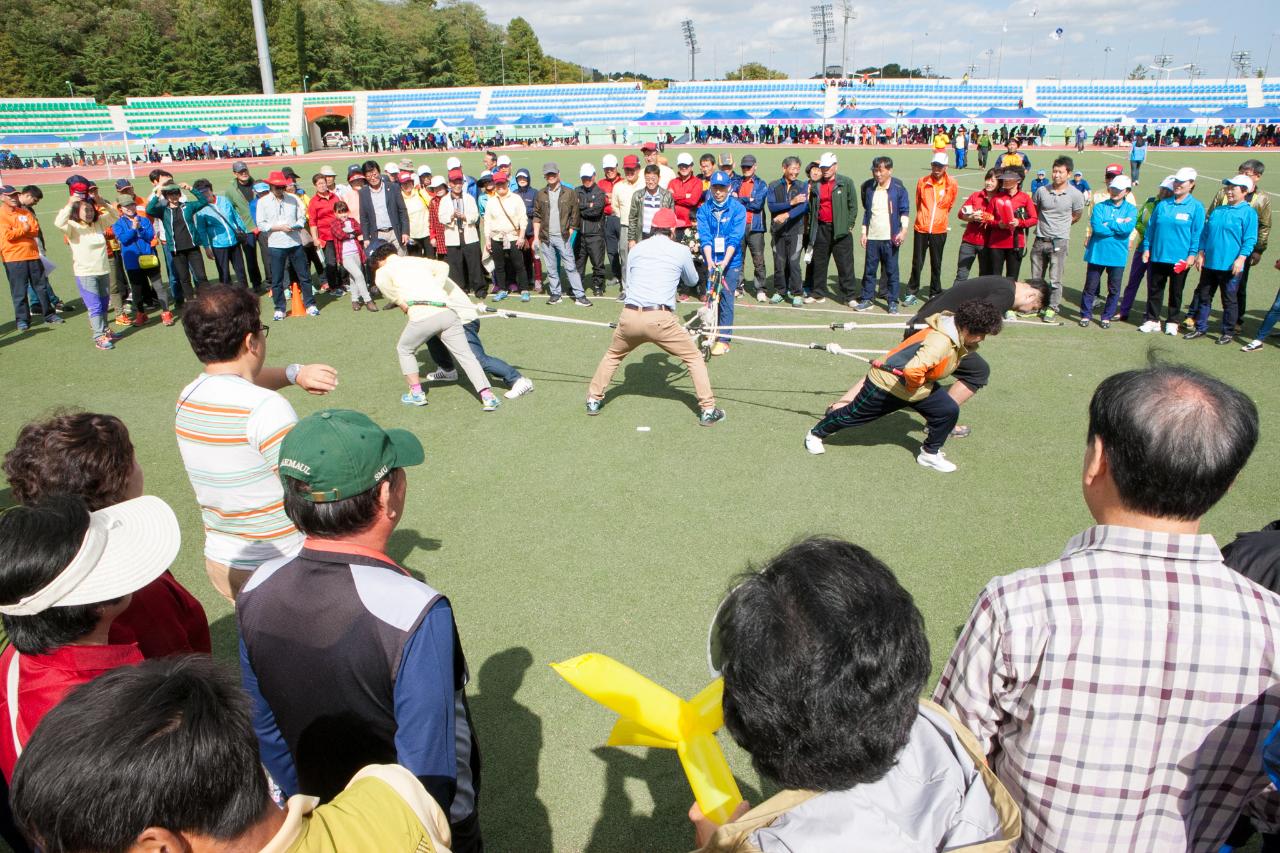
(212, 114)
(593, 103)
(388, 111)
(893, 95)
(754, 96)
(1105, 101)
(65, 117)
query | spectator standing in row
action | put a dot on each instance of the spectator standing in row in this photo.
(459, 213)
(788, 202)
(936, 194)
(219, 229)
(382, 211)
(179, 217)
(556, 220)
(504, 227)
(1170, 245)
(974, 214)
(623, 191)
(417, 203)
(242, 196)
(281, 216)
(652, 157)
(1110, 225)
(137, 238)
(20, 250)
(752, 190)
(320, 218)
(1139, 269)
(348, 248)
(833, 211)
(612, 221)
(86, 232)
(1230, 233)
(1058, 206)
(1013, 214)
(1261, 204)
(645, 203)
(590, 244)
(885, 214)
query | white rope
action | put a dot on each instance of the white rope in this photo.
(835, 327)
(523, 315)
(834, 349)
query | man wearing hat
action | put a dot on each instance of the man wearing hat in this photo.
(752, 190)
(612, 223)
(281, 217)
(241, 194)
(833, 211)
(722, 223)
(179, 219)
(936, 194)
(726, 166)
(468, 181)
(383, 680)
(657, 267)
(383, 215)
(623, 190)
(556, 219)
(1041, 180)
(20, 251)
(590, 243)
(652, 158)
(1230, 235)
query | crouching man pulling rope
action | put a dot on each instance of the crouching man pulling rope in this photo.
(435, 306)
(655, 267)
(908, 376)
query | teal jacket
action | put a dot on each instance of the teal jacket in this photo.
(157, 209)
(218, 225)
(1230, 232)
(1111, 226)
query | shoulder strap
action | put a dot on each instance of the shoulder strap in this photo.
(11, 688)
(503, 208)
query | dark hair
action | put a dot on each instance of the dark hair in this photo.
(790, 161)
(380, 254)
(1066, 162)
(34, 191)
(77, 212)
(157, 174)
(813, 164)
(72, 453)
(333, 519)
(979, 317)
(341, 207)
(317, 178)
(1256, 166)
(202, 184)
(824, 658)
(217, 320)
(991, 173)
(882, 161)
(168, 743)
(1174, 438)
(1043, 287)
(652, 169)
(707, 158)
(36, 543)
(370, 165)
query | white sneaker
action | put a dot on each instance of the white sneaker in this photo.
(1171, 328)
(937, 461)
(279, 315)
(813, 444)
(313, 311)
(522, 386)
(761, 297)
(442, 375)
(1149, 327)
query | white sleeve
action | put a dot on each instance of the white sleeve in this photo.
(269, 423)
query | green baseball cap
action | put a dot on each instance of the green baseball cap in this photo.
(339, 454)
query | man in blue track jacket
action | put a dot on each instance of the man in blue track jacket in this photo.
(788, 201)
(750, 189)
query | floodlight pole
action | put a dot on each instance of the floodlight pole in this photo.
(823, 29)
(849, 14)
(264, 50)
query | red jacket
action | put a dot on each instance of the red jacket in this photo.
(163, 619)
(687, 193)
(1005, 209)
(607, 186)
(975, 233)
(339, 235)
(320, 213)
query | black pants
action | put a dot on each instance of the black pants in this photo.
(982, 157)
(508, 267)
(249, 249)
(754, 243)
(1006, 262)
(332, 266)
(933, 245)
(21, 275)
(939, 410)
(313, 255)
(786, 263)
(1212, 281)
(1162, 274)
(964, 262)
(590, 247)
(188, 269)
(465, 268)
(825, 245)
(613, 230)
(227, 259)
(145, 285)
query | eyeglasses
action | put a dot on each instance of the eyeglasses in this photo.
(263, 330)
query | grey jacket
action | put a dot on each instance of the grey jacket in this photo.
(635, 217)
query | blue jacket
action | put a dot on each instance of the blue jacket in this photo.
(528, 195)
(1082, 185)
(779, 201)
(753, 203)
(728, 221)
(1137, 153)
(1173, 231)
(1111, 224)
(1037, 184)
(134, 241)
(899, 203)
(1230, 232)
(219, 225)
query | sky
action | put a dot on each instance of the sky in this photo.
(613, 35)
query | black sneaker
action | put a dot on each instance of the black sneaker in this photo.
(555, 300)
(710, 417)
(582, 302)
(1224, 339)
(1193, 334)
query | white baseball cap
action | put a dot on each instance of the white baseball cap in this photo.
(424, 169)
(1186, 173)
(504, 160)
(328, 172)
(126, 547)
(453, 163)
(609, 161)
(941, 159)
(438, 181)
(587, 171)
(392, 168)
(1167, 183)
(1120, 182)
(684, 159)
(1241, 181)
(827, 160)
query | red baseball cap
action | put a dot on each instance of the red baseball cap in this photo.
(1114, 169)
(649, 146)
(665, 218)
(79, 188)
(631, 161)
(277, 179)
(455, 174)
(501, 177)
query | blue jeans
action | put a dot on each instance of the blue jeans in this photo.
(880, 252)
(24, 274)
(1210, 281)
(732, 278)
(940, 413)
(281, 261)
(488, 363)
(1093, 283)
(1269, 321)
(554, 253)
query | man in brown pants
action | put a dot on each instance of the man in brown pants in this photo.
(655, 267)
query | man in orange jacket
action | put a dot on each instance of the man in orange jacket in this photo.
(936, 194)
(20, 251)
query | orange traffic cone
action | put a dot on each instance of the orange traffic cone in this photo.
(296, 308)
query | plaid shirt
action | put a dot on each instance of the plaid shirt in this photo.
(1122, 693)
(435, 227)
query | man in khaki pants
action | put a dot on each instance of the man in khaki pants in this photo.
(655, 267)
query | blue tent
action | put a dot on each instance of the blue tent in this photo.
(1247, 115)
(529, 120)
(791, 115)
(662, 117)
(180, 133)
(725, 115)
(250, 130)
(1163, 115)
(477, 121)
(950, 113)
(1011, 115)
(109, 136)
(427, 124)
(851, 114)
(31, 139)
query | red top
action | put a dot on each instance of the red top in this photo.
(340, 235)
(744, 191)
(320, 213)
(1005, 208)
(163, 619)
(687, 193)
(975, 233)
(824, 199)
(435, 227)
(43, 680)
(606, 185)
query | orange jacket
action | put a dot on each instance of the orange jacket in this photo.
(18, 232)
(934, 200)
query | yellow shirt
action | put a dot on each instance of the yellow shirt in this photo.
(88, 243)
(409, 281)
(623, 191)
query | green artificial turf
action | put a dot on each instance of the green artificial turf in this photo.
(556, 534)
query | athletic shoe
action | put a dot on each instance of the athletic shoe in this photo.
(582, 302)
(522, 386)
(719, 348)
(1049, 316)
(911, 299)
(1189, 322)
(893, 309)
(864, 305)
(737, 294)
(59, 308)
(593, 407)
(22, 327)
(1171, 328)
(809, 300)
(937, 461)
(683, 297)
(371, 306)
(103, 342)
(1193, 334)
(140, 319)
(761, 296)
(961, 432)
(123, 320)
(166, 317)
(442, 375)
(411, 399)
(53, 320)
(1224, 339)
(499, 296)
(1106, 324)
(1084, 322)
(1149, 327)
(813, 444)
(1252, 346)
(710, 417)
(313, 311)
(1010, 315)
(490, 403)
(555, 300)
(338, 292)
(524, 296)
(775, 299)
(278, 315)
(796, 302)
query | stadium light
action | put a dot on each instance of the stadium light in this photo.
(691, 41)
(1241, 60)
(1106, 58)
(824, 27)
(848, 13)
(264, 51)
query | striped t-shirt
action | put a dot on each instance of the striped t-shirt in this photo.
(229, 432)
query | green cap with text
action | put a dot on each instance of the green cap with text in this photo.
(339, 454)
